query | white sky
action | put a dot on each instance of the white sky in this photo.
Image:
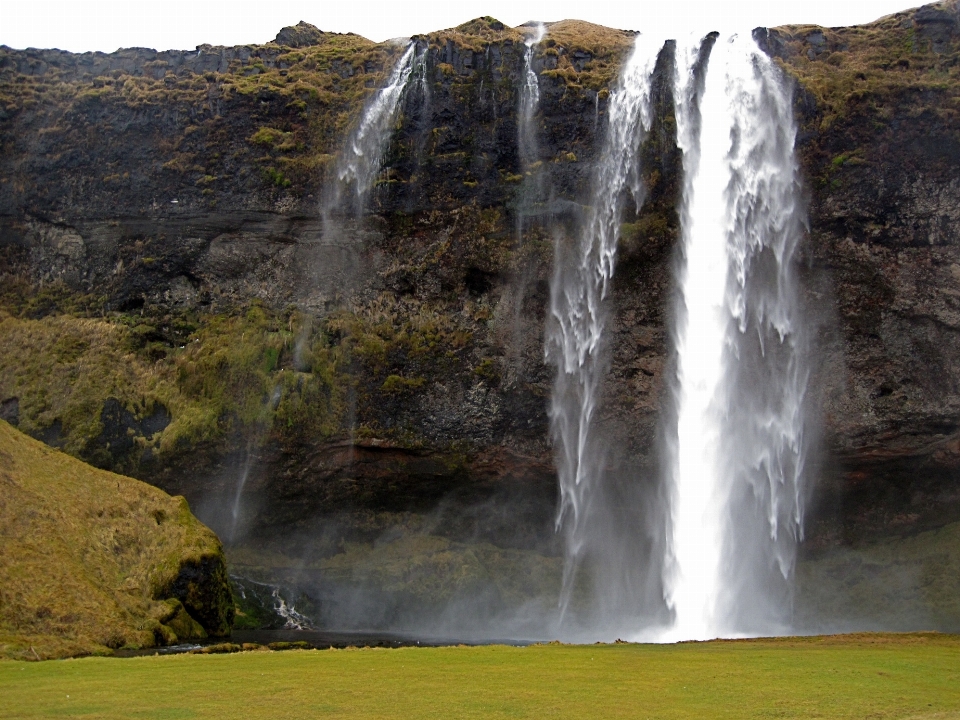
(81, 25)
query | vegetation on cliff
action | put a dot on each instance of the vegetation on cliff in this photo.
(868, 84)
(260, 126)
(123, 390)
(897, 583)
(308, 95)
(94, 561)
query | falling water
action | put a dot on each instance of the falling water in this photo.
(736, 475)
(529, 100)
(359, 164)
(241, 484)
(293, 619)
(532, 192)
(237, 511)
(578, 311)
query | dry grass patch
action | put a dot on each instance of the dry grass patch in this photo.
(608, 49)
(872, 67)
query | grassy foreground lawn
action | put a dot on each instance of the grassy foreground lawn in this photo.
(859, 676)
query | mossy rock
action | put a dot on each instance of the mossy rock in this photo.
(218, 649)
(203, 587)
(295, 645)
(182, 624)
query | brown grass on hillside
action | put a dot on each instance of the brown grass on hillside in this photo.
(477, 34)
(88, 556)
(871, 66)
(607, 47)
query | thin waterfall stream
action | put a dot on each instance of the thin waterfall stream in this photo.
(360, 162)
(527, 142)
(578, 314)
(533, 188)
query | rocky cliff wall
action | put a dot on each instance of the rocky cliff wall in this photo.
(879, 147)
(177, 307)
(439, 301)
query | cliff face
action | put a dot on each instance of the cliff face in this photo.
(880, 151)
(176, 305)
(409, 351)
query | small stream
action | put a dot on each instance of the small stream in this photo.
(281, 622)
(318, 640)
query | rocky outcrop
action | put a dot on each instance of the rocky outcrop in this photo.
(303, 34)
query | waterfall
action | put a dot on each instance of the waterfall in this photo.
(735, 476)
(578, 314)
(241, 484)
(359, 164)
(527, 142)
(534, 187)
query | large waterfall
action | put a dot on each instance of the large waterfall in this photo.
(735, 479)
(735, 439)
(578, 316)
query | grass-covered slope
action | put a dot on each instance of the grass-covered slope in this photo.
(911, 676)
(876, 89)
(91, 560)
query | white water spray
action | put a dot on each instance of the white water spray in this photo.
(578, 311)
(527, 141)
(736, 475)
(360, 162)
(293, 620)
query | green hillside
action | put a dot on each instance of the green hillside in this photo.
(94, 561)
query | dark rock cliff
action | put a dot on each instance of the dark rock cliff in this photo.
(880, 151)
(177, 308)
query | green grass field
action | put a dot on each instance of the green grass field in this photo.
(860, 676)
